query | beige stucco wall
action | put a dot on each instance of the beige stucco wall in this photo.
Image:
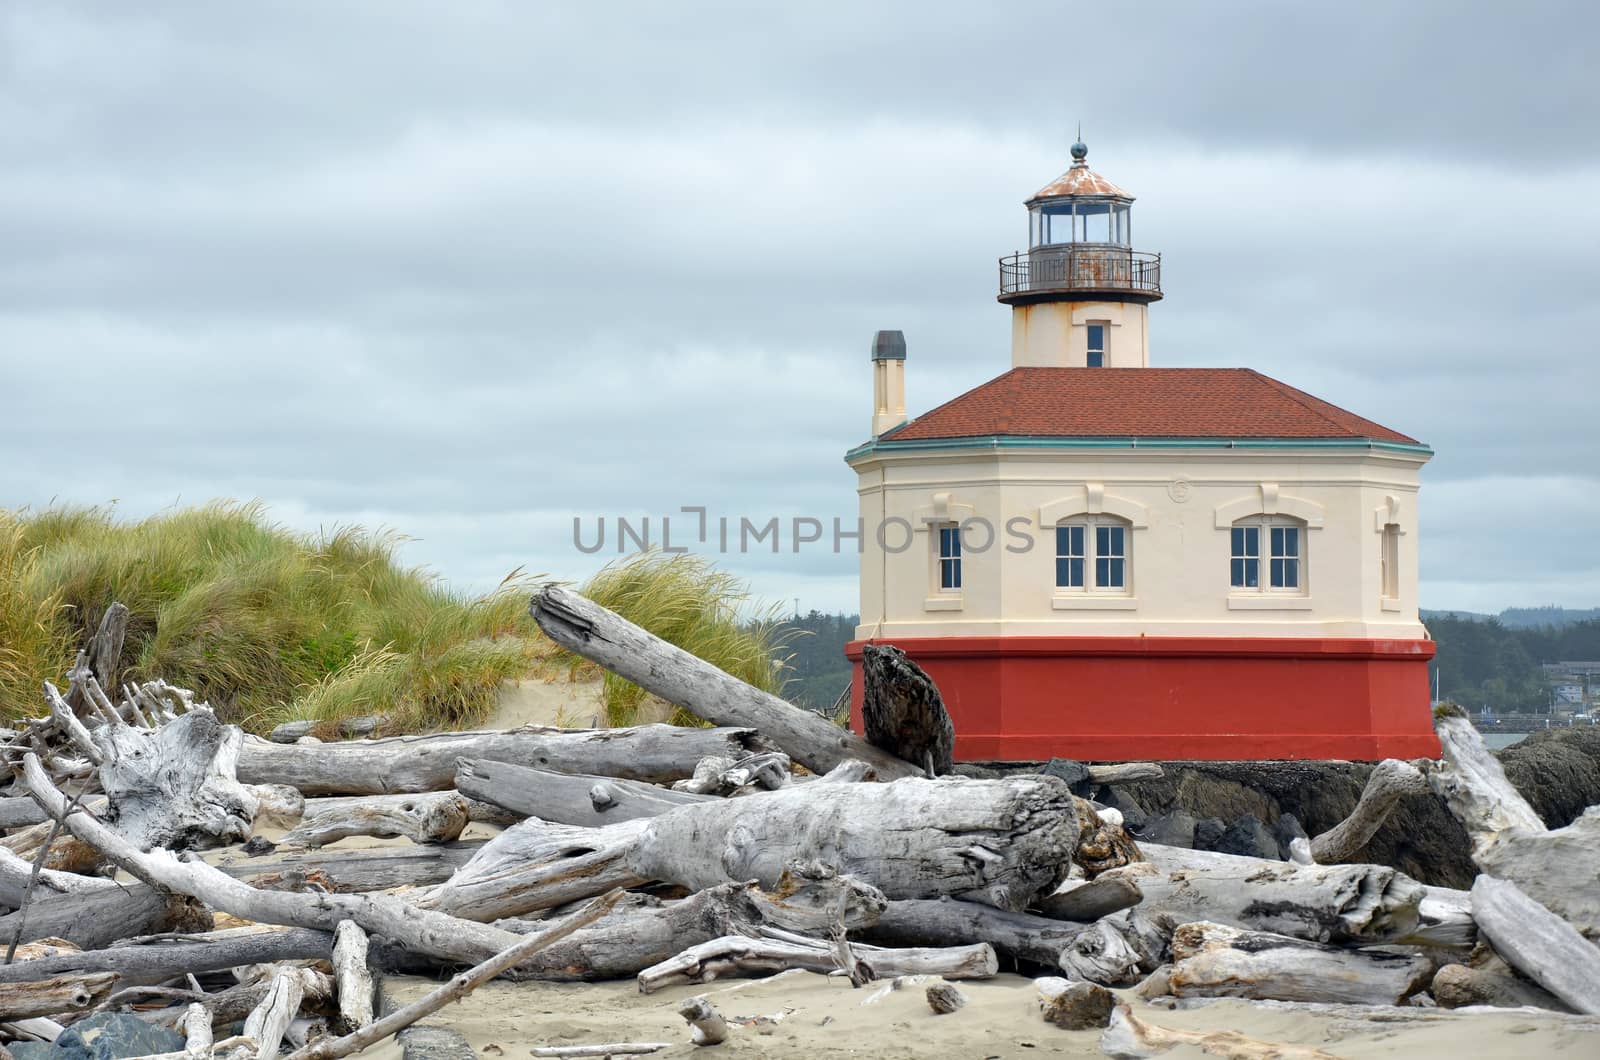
(1055, 334)
(1179, 505)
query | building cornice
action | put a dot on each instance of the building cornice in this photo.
(888, 446)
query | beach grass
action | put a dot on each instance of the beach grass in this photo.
(268, 625)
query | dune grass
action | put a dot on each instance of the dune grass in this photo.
(270, 625)
(707, 612)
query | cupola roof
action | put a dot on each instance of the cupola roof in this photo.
(1080, 180)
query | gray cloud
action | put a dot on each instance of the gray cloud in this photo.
(469, 272)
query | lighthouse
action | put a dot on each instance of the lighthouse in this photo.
(1100, 558)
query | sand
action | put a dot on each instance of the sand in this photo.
(810, 1015)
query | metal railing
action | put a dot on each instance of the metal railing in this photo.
(1078, 267)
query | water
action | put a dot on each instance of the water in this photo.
(1497, 741)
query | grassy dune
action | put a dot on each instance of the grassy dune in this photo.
(267, 624)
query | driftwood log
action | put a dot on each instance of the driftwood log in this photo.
(161, 958)
(355, 871)
(999, 842)
(662, 669)
(95, 918)
(566, 798)
(1119, 949)
(1088, 900)
(1213, 960)
(1538, 943)
(902, 711)
(740, 955)
(951, 922)
(1558, 868)
(175, 786)
(55, 996)
(657, 754)
(1390, 781)
(424, 817)
(1364, 904)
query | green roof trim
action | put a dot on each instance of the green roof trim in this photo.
(887, 443)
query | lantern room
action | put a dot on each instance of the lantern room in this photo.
(1081, 207)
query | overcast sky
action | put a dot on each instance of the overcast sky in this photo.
(470, 270)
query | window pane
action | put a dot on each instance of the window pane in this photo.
(1102, 573)
(1096, 219)
(1291, 573)
(1057, 224)
(1238, 542)
(1116, 576)
(1237, 576)
(1097, 336)
(1113, 541)
(1291, 541)
(1097, 359)
(1077, 573)
(1277, 540)
(1063, 573)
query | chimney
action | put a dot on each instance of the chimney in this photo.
(888, 381)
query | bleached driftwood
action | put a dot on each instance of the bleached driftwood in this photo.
(1538, 943)
(197, 1036)
(1129, 1038)
(584, 627)
(1088, 900)
(356, 870)
(706, 1025)
(402, 764)
(1119, 949)
(950, 922)
(850, 771)
(157, 960)
(1390, 781)
(269, 1020)
(902, 711)
(537, 865)
(1214, 960)
(601, 1049)
(1320, 903)
(459, 986)
(98, 917)
(1558, 868)
(740, 955)
(421, 931)
(1124, 772)
(1000, 842)
(566, 798)
(720, 775)
(15, 872)
(55, 996)
(425, 817)
(99, 659)
(352, 975)
(175, 787)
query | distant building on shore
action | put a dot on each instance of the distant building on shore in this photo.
(1104, 560)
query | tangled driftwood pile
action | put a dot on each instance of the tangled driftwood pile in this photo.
(680, 855)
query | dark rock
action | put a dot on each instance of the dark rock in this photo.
(1175, 828)
(1249, 838)
(977, 771)
(1557, 771)
(1208, 833)
(112, 1035)
(256, 846)
(944, 998)
(1286, 831)
(1134, 816)
(1075, 1006)
(1076, 774)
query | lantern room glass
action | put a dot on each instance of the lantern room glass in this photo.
(1079, 221)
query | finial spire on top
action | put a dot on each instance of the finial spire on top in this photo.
(1080, 150)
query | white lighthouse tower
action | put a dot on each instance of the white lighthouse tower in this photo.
(1080, 296)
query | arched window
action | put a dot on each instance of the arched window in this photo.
(1093, 555)
(1267, 554)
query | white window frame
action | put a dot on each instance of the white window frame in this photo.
(1105, 343)
(1263, 557)
(1091, 557)
(941, 534)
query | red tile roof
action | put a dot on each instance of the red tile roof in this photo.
(1140, 403)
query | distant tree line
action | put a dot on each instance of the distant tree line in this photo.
(1481, 663)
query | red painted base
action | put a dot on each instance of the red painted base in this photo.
(1109, 699)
